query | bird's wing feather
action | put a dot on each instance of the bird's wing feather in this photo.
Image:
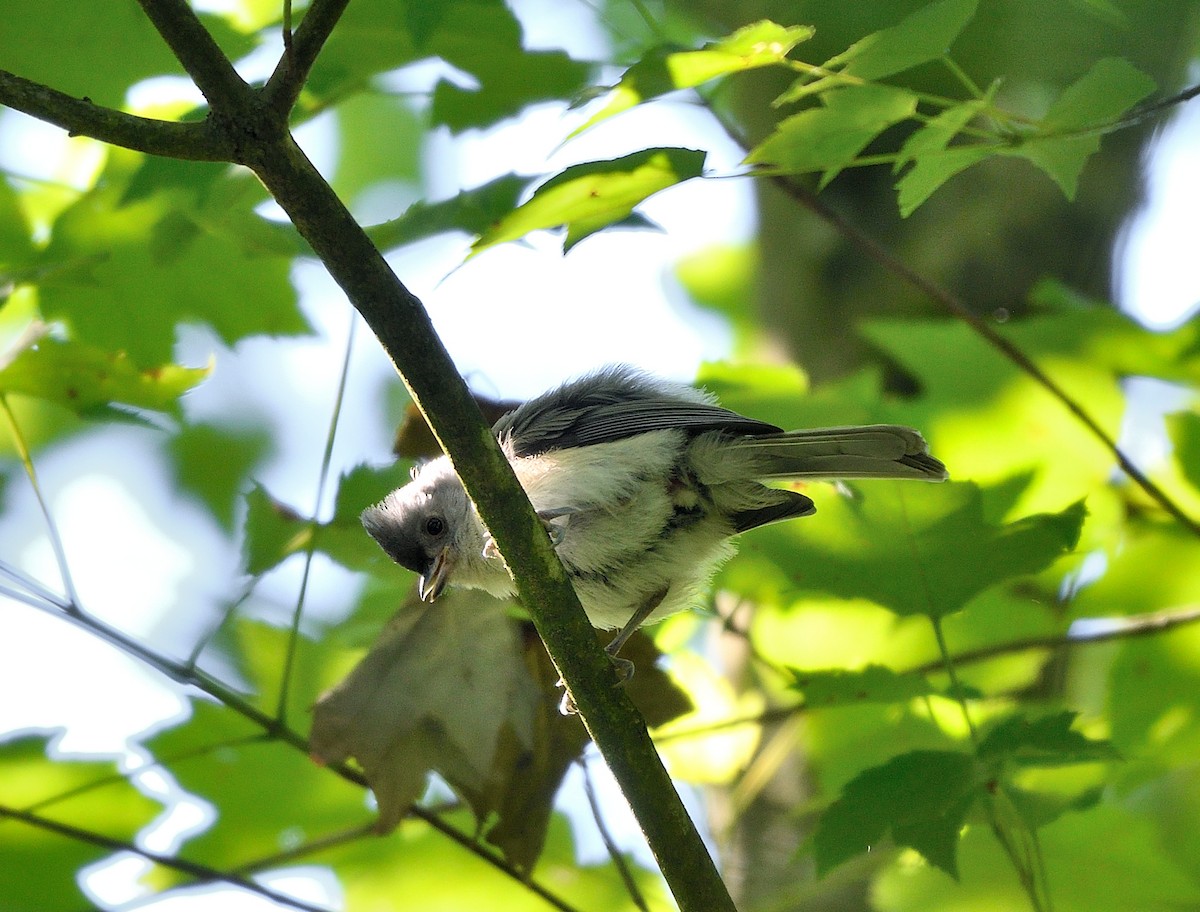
(613, 406)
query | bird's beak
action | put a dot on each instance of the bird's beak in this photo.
(434, 580)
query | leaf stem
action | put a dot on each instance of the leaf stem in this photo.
(956, 687)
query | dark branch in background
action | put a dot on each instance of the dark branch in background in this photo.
(287, 82)
(79, 117)
(955, 306)
(1115, 629)
(202, 873)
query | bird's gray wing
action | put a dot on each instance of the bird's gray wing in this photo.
(613, 406)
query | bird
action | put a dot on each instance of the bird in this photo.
(642, 484)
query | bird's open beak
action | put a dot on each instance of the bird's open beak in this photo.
(434, 581)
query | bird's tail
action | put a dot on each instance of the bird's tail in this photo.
(874, 451)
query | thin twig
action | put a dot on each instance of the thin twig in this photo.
(1126, 628)
(610, 844)
(287, 82)
(60, 554)
(955, 306)
(81, 117)
(201, 56)
(32, 587)
(322, 481)
(201, 872)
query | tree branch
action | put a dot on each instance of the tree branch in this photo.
(291, 72)
(80, 117)
(258, 138)
(1127, 628)
(399, 321)
(201, 56)
(955, 306)
(201, 872)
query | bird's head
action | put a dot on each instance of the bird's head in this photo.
(430, 527)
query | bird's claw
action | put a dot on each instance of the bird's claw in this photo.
(552, 520)
(624, 670)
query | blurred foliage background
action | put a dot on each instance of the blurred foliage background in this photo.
(973, 696)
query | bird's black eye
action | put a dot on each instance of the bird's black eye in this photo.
(435, 526)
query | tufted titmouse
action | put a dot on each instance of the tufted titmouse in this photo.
(641, 484)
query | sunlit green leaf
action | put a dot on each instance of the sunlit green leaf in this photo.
(669, 68)
(920, 37)
(273, 531)
(933, 162)
(1185, 432)
(84, 378)
(40, 868)
(592, 196)
(1110, 88)
(828, 138)
(123, 276)
(474, 211)
(919, 798)
(916, 548)
(94, 33)
(268, 796)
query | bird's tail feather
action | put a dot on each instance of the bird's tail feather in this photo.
(875, 451)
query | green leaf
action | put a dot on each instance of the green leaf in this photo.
(40, 868)
(668, 68)
(1110, 88)
(933, 162)
(364, 485)
(1048, 741)
(920, 798)
(829, 138)
(273, 532)
(917, 549)
(933, 170)
(594, 195)
(213, 462)
(253, 783)
(16, 244)
(1184, 428)
(474, 211)
(873, 684)
(85, 379)
(918, 38)
(124, 275)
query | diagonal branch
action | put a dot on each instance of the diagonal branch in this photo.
(287, 82)
(200, 872)
(80, 117)
(200, 55)
(957, 308)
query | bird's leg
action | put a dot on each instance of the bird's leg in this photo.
(624, 667)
